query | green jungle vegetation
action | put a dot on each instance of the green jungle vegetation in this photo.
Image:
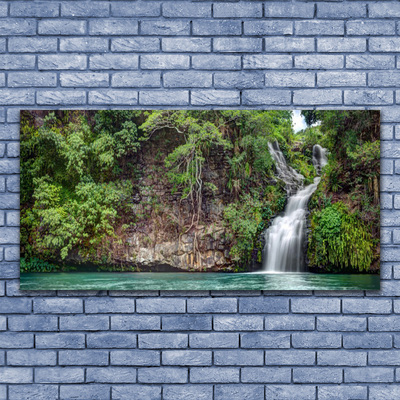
(82, 177)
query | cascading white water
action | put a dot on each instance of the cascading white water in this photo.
(284, 239)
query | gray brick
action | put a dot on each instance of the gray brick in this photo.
(320, 305)
(387, 323)
(32, 45)
(238, 357)
(388, 78)
(313, 96)
(107, 305)
(84, 79)
(289, 323)
(288, 10)
(290, 357)
(368, 97)
(237, 45)
(386, 169)
(135, 357)
(214, 340)
(316, 27)
(139, 44)
(345, 10)
(215, 62)
(31, 357)
(341, 323)
(37, 392)
(214, 375)
(137, 9)
(370, 61)
(16, 375)
(64, 97)
(319, 61)
(3, 9)
(88, 45)
(2, 45)
(162, 375)
(341, 45)
(368, 374)
(367, 306)
(382, 392)
(61, 27)
(187, 323)
(136, 392)
(186, 79)
(387, 44)
(321, 340)
(11, 132)
(314, 375)
(113, 27)
(113, 61)
(342, 78)
(62, 61)
(32, 323)
(157, 98)
(57, 306)
(98, 392)
(265, 340)
(165, 28)
(289, 79)
(60, 375)
(8, 201)
(382, 10)
(32, 79)
(186, 10)
(288, 44)
(163, 340)
(83, 357)
(365, 27)
(193, 45)
(135, 322)
(179, 392)
(84, 322)
(342, 358)
(109, 96)
(12, 152)
(212, 305)
(85, 9)
(234, 392)
(217, 27)
(241, 323)
(263, 375)
(263, 305)
(270, 97)
(238, 10)
(111, 340)
(19, 26)
(10, 270)
(2, 84)
(36, 9)
(384, 357)
(268, 27)
(13, 340)
(110, 375)
(18, 306)
(290, 392)
(367, 341)
(217, 97)
(164, 61)
(17, 61)
(347, 392)
(186, 357)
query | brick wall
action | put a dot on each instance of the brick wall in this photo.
(199, 345)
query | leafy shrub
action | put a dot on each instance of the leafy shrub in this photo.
(339, 240)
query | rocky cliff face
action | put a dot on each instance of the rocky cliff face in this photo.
(166, 234)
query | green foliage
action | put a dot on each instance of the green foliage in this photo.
(339, 240)
(37, 265)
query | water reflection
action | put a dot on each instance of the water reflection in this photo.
(196, 281)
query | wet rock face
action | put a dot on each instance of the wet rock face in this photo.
(202, 250)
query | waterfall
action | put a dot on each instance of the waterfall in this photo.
(284, 239)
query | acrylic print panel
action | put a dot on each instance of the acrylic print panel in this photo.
(200, 200)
